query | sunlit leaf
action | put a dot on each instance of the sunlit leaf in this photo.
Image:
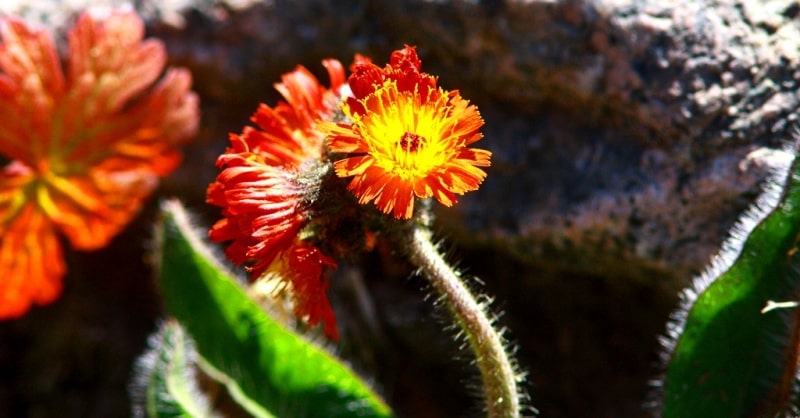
(730, 359)
(270, 369)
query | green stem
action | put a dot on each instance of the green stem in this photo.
(497, 373)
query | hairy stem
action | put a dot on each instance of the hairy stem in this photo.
(497, 373)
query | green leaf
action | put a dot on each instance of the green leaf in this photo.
(268, 369)
(730, 359)
(164, 384)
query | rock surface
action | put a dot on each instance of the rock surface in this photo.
(627, 137)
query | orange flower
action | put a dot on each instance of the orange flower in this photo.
(86, 145)
(408, 136)
(265, 200)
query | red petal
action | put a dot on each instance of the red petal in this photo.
(365, 77)
(335, 73)
(405, 60)
(306, 266)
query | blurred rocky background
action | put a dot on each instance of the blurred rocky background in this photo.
(628, 135)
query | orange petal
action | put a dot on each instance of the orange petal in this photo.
(401, 201)
(32, 82)
(31, 263)
(112, 53)
(475, 156)
(92, 210)
(341, 137)
(353, 166)
(144, 132)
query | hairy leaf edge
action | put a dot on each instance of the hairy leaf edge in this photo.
(781, 164)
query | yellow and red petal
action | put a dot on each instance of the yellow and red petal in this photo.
(367, 185)
(91, 210)
(16, 180)
(341, 137)
(353, 166)
(475, 156)
(31, 263)
(174, 114)
(119, 131)
(396, 197)
(390, 194)
(27, 53)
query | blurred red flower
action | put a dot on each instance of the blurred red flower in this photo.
(85, 145)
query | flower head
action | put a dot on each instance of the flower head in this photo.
(408, 137)
(264, 199)
(86, 144)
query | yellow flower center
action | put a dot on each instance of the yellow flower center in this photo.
(406, 135)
